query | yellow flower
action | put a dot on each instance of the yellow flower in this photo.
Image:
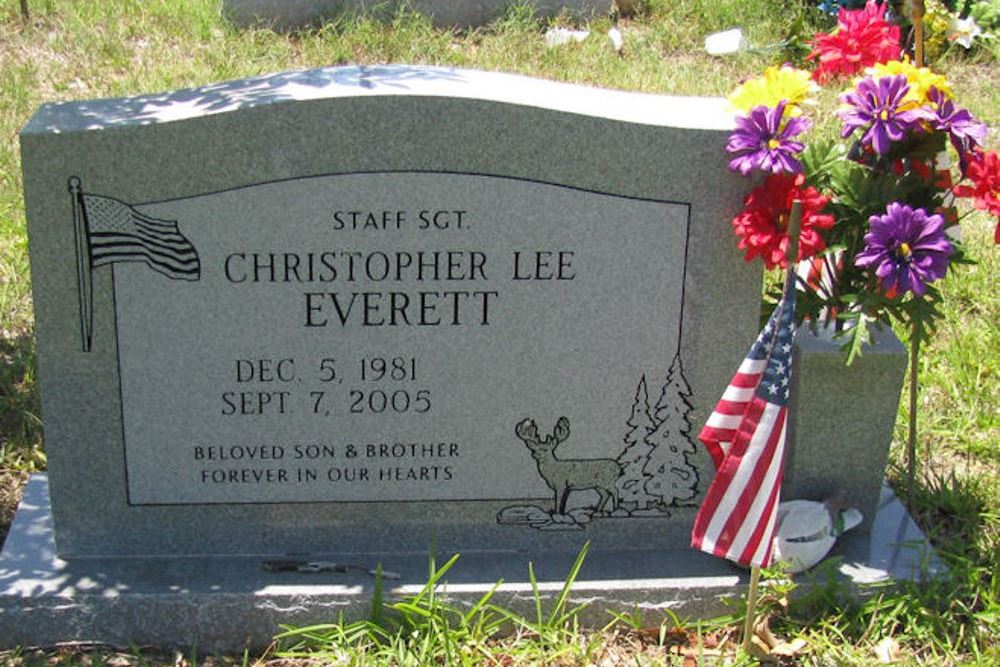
(920, 79)
(776, 84)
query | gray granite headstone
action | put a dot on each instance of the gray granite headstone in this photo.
(378, 309)
(286, 14)
(365, 315)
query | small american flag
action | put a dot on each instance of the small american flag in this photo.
(745, 436)
(119, 233)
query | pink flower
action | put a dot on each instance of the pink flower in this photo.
(863, 38)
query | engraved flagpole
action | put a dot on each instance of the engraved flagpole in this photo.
(792, 255)
(83, 277)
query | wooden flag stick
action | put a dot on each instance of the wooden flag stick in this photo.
(918, 32)
(751, 608)
(792, 255)
(794, 229)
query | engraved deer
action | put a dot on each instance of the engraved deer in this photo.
(565, 475)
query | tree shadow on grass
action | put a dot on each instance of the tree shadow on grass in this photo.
(20, 423)
(954, 512)
(232, 95)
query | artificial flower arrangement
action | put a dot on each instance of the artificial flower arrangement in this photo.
(877, 206)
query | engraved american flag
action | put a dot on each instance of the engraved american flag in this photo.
(119, 233)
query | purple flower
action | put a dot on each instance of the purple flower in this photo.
(907, 248)
(760, 142)
(962, 128)
(876, 106)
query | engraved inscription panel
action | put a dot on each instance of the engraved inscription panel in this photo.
(379, 336)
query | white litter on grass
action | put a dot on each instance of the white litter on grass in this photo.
(725, 42)
(617, 41)
(559, 36)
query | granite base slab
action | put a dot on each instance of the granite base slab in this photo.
(228, 604)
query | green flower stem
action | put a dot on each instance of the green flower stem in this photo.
(911, 441)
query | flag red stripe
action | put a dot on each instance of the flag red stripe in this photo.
(713, 436)
(758, 534)
(730, 407)
(744, 380)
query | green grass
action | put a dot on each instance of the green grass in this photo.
(423, 630)
(960, 376)
(952, 619)
(78, 50)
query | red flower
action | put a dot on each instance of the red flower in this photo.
(983, 169)
(862, 39)
(763, 224)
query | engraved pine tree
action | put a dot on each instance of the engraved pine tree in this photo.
(632, 484)
(671, 477)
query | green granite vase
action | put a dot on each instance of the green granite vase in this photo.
(841, 418)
